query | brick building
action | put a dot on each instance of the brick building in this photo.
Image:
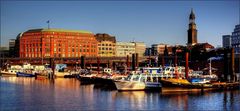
(38, 43)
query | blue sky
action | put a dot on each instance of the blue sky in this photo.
(146, 21)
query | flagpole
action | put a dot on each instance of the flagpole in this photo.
(48, 24)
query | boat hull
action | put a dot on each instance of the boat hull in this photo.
(21, 74)
(136, 86)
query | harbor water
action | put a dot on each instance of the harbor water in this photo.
(21, 93)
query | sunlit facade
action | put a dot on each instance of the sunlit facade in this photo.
(140, 48)
(125, 48)
(37, 43)
(106, 45)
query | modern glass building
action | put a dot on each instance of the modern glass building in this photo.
(226, 41)
(236, 39)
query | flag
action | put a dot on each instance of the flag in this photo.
(48, 21)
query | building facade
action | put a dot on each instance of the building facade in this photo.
(38, 43)
(236, 39)
(12, 52)
(226, 41)
(125, 48)
(140, 48)
(106, 45)
(4, 52)
(158, 49)
(192, 30)
(17, 45)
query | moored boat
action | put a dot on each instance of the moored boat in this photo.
(139, 82)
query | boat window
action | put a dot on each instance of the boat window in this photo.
(136, 77)
(154, 79)
(143, 78)
(148, 79)
(167, 68)
(159, 78)
(129, 77)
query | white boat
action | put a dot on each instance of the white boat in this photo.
(12, 70)
(139, 82)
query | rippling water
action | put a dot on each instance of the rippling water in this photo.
(18, 93)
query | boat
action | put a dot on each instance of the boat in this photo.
(139, 81)
(12, 70)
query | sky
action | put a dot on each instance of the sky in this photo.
(151, 22)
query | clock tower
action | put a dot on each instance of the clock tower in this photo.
(192, 30)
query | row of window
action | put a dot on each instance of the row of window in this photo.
(59, 50)
(126, 46)
(106, 45)
(48, 55)
(106, 53)
(105, 48)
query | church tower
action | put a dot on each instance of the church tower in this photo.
(192, 30)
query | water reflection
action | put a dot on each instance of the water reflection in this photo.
(18, 93)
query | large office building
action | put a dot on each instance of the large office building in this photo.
(125, 48)
(106, 45)
(226, 41)
(236, 39)
(38, 43)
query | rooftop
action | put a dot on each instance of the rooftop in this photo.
(58, 30)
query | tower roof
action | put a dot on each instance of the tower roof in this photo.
(192, 15)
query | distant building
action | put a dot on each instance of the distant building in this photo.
(192, 30)
(106, 45)
(17, 45)
(140, 48)
(158, 49)
(37, 43)
(125, 48)
(236, 39)
(226, 41)
(4, 52)
(148, 51)
(203, 46)
(12, 51)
